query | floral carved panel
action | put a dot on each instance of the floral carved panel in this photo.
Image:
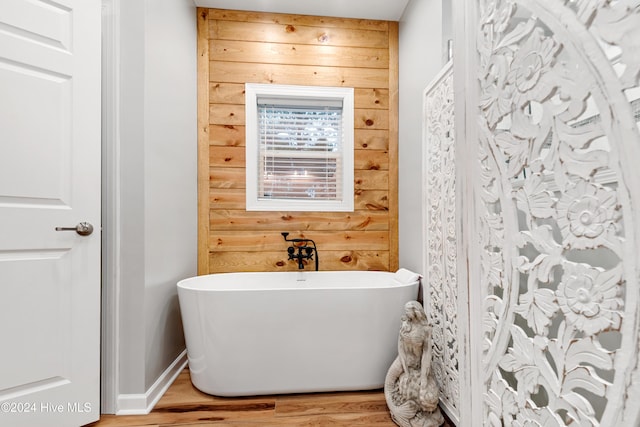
(441, 293)
(557, 211)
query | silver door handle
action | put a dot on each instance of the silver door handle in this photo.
(83, 229)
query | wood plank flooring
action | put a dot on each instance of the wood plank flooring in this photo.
(184, 406)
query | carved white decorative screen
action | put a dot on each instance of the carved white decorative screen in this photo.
(441, 293)
(556, 181)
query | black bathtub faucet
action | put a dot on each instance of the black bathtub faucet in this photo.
(301, 249)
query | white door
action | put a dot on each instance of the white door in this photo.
(49, 177)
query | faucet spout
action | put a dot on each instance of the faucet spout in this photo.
(301, 256)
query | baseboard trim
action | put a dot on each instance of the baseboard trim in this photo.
(142, 404)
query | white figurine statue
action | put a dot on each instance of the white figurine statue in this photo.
(410, 388)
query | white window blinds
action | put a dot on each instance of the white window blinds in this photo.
(300, 150)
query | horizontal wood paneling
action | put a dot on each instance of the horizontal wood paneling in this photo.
(255, 241)
(221, 262)
(227, 198)
(371, 180)
(236, 72)
(297, 34)
(252, 47)
(232, 135)
(234, 198)
(226, 93)
(371, 200)
(227, 178)
(227, 220)
(371, 98)
(310, 21)
(226, 114)
(371, 119)
(233, 93)
(371, 139)
(227, 157)
(298, 54)
(371, 160)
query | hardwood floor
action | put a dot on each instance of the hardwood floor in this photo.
(184, 406)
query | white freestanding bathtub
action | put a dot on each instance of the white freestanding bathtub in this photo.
(291, 332)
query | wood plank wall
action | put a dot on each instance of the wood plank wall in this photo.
(250, 47)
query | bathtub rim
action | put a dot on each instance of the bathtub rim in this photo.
(204, 283)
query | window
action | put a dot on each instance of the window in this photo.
(299, 143)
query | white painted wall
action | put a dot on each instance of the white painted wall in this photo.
(155, 175)
(420, 57)
(170, 168)
(130, 199)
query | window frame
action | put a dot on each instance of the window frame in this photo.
(312, 94)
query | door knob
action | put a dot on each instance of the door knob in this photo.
(83, 228)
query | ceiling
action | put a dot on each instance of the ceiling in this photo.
(387, 10)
